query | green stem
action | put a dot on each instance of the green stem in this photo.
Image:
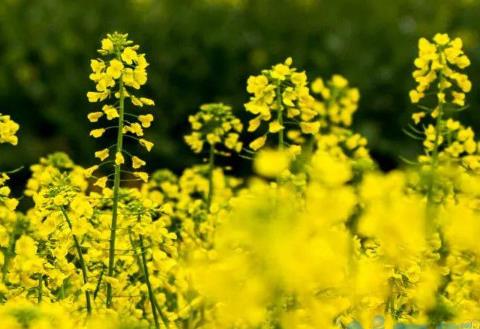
(280, 118)
(116, 188)
(40, 288)
(134, 247)
(97, 288)
(211, 167)
(435, 152)
(8, 255)
(83, 266)
(149, 285)
(62, 291)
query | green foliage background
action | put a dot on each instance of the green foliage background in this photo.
(203, 51)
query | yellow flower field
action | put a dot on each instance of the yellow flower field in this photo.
(317, 237)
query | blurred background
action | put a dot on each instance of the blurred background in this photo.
(204, 50)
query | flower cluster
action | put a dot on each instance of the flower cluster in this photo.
(439, 62)
(336, 104)
(120, 72)
(445, 139)
(283, 91)
(215, 125)
(339, 101)
(8, 130)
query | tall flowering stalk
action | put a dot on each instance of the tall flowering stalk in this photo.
(215, 125)
(283, 91)
(335, 104)
(448, 144)
(8, 131)
(119, 72)
(440, 94)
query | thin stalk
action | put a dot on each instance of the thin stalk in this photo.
(83, 266)
(116, 188)
(97, 288)
(438, 123)
(211, 167)
(40, 288)
(149, 285)
(8, 254)
(280, 118)
(62, 291)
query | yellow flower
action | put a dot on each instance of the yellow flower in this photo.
(441, 39)
(129, 55)
(103, 154)
(134, 128)
(274, 127)
(416, 117)
(310, 127)
(142, 175)
(256, 84)
(140, 76)
(136, 101)
(11, 204)
(115, 69)
(110, 112)
(289, 96)
(415, 96)
(453, 125)
(146, 120)
(94, 116)
(195, 142)
(231, 142)
(107, 45)
(137, 162)
(458, 98)
(8, 130)
(339, 81)
(101, 182)
(254, 123)
(470, 146)
(270, 163)
(94, 96)
(26, 246)
(147, 101)
(462, 62)
(318, 86)
(147, 144)
(280, 71)
(89, 171)
(59, 200)
(258, 143)
(119, 159)
(97, 133)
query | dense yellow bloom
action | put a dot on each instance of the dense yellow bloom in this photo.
(318, 239)
(439, 62)
(120, 69)
(277, 95)
(338, 102)
(216, 125)
(8, 130)
(445, 140)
